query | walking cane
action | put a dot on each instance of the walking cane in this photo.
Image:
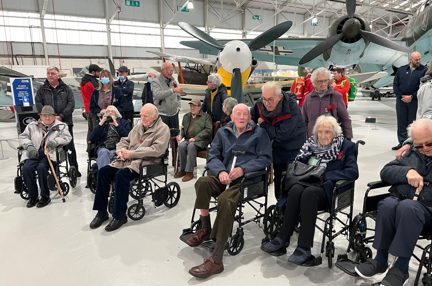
(235, 153)
(60, 191)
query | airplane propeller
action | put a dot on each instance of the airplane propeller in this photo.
(351, 30)
(262, 40)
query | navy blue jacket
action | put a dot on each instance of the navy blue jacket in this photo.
(254, 142)
(125, 100)
(407, 82)
(343, 168)
(287, 130)
(217, 114)
(94, 107)
(99, 134)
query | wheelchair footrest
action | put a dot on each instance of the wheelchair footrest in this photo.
(187, 232)
(346, 265)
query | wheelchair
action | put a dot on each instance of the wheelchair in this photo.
(62, 170)
(254, 193)
(152, 182)
(338, 222)
(92, 171)
(362, 234)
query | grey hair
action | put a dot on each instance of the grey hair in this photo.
(215, 79)
(327, 120)
(53, 68)
(237, 106)
(166, 65)
(113, 108)
(319, 71)
(424, 123)
(230, 103)
(274, 85)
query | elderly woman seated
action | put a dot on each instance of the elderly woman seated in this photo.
(227, 107)
(326, 147)
(107, 134)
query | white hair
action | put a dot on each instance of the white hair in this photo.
(319, 71)
(272, 85)
(327, 120)
(113, 108)
(215, 78)
(422, 123)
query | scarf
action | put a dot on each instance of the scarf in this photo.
(212, 97)
(324, 154)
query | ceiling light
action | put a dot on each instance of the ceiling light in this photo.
(314, 21)
(190, 4)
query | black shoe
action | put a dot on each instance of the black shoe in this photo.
(275, 246)
(395, 277)
(98, 221)
(370, 268)
(115, 224)
(397, 147)
(43, 202)
(32, 202)
(78, 173)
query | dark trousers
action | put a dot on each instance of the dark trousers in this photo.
(207, 187)
(278, 169)
(173, 124)
(399, 224)
(92, 122)
(129, 115)
(302, 203)
(405, 114)
(122, 179)
(29, 169)
(72, 157)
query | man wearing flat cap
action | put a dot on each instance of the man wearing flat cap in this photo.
(48, 133)
(125, 105)
(196, 131)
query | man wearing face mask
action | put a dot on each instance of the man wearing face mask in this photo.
(125, 105)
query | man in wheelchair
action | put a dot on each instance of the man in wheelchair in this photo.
(145, 141)
(49, 133)
(107, 134)
(403, 215)
(238, 148)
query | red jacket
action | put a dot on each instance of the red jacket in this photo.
(87, 85)
(343, 87)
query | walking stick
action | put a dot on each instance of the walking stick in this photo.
(59, 189)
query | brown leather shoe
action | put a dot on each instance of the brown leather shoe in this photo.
(189, 176)
(207, 269)
(198, 237)
(179, 174)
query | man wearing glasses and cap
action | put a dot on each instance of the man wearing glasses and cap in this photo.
(125, 105)
(403, 215)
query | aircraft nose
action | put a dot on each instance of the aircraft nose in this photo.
(351, 28)
(238, 49)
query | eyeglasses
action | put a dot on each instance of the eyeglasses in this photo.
(421, 146)
(322, 81)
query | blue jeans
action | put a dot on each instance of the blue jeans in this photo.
(104, 157)
(122, 179)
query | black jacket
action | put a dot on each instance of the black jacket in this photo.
(394, 173)
(217, 114)
(286, 130)
(125, 100)
(99, 134)
(60, 98)
(407, 82)
(94, 107)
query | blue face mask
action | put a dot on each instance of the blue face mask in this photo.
(150, 79)
(121, 78)
(105, 80)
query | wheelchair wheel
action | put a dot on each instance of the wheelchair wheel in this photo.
(18, 184)
(363, 254)
(357, 233)
(139, 194)
(236, 244)
(173, 195)
(73, 175)
(111, 205)
(65, 188)
(330, 249)
(91, 182)
(136, 212)
(273, 219)
(24, 195)
(427, 279)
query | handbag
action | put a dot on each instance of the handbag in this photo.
(300, 173)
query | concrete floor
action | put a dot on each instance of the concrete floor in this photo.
(55, 246)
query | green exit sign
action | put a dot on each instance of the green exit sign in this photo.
(132, 3)
(184, 9)
(256, 17)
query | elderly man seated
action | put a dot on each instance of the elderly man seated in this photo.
(239, 135)
(196, 130)
(48, 133)
(144, 144)
(402, 216)
(107, 134)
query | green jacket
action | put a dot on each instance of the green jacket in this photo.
(202, 133)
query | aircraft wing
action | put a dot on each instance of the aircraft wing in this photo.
(184, 59)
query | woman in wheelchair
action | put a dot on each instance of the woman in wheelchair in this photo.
(46, 133)
(407, 211)
(328, 148)
(107, 134)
